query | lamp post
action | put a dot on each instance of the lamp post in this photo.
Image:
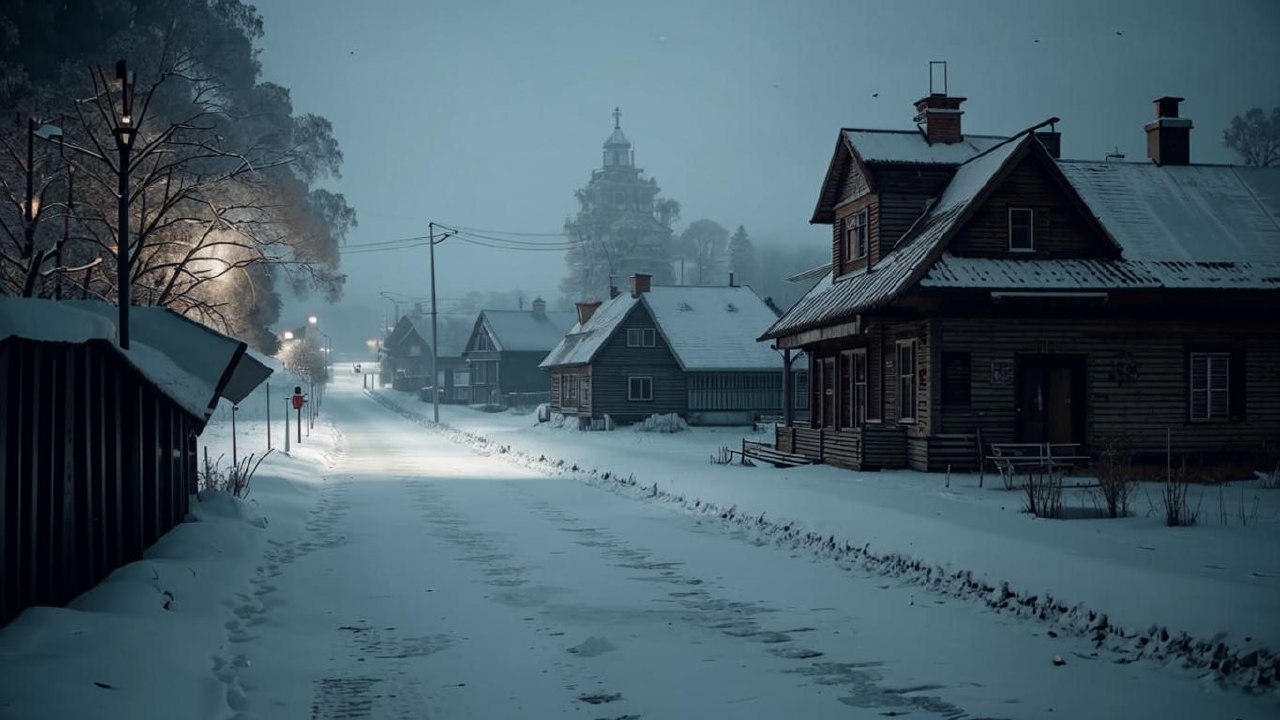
(125, 132)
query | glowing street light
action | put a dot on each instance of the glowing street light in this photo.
(288, 334)
(313, 319)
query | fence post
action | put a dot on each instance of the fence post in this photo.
(268, 416)
(822, 440)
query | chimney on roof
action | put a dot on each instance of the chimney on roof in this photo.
(938, 114)
(613, 292)
(640, 284)
(1051, 140)
(539, 308)
(586, 310)
(1169, 136)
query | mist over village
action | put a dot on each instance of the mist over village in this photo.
(715, 359)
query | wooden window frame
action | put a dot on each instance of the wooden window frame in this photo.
(908, 378)
(479, 374)
(1031, 229)
(1212, 413)
(631, 395)
(853, 380)
(858, 224)
(633, 337)
(648, 337)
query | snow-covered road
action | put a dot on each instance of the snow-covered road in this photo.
(432, 582)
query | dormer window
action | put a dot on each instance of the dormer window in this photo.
(1022, 235)
(855, 236)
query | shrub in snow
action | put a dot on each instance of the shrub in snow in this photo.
(544, 413)
(668, 423)
(1177, 505)
(1044, 494)
(1116, 476)
(234, 478)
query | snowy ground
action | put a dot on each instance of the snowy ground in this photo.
(401, 574)
(1217, 582)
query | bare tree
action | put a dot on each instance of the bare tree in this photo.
(1255, 136)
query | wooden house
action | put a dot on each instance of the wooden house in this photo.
(406, 358)
(504, 349)
(98, 444)
(668, 349)
(981, 286)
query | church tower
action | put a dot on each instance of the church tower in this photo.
(621, 227)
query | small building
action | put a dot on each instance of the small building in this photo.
(668, 349)
(504, 350)
(406, 358)
(982, 290)
(98, 444)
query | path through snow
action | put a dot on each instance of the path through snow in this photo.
(432, 582)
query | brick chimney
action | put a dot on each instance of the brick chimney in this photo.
(586, 310)
(539, 308)
(640, 284)
(938, 116)
(1169, 136)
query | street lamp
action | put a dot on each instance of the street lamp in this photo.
(125, 132)
(288, 334)
(313, 319)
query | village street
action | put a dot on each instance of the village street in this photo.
(434, 582)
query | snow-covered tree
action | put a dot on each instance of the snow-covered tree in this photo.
(705, 244)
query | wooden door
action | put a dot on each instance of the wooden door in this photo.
(1050, 404)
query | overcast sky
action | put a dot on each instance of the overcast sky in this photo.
(490, 113)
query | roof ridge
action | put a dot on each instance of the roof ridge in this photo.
(1025, 132)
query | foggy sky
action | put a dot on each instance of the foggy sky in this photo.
(490, 113)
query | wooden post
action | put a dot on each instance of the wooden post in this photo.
(235, 459)
(982, 461)
(268, 416)
(286, 423)
(822, 450)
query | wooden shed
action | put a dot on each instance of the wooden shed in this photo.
(98, 444)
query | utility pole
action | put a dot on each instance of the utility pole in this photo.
(435, 375)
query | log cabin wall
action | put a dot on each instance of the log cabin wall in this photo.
(1135, 379)
(903, 194)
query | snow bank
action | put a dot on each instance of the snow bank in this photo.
(668, 423)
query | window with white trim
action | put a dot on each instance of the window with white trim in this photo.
(1210, 386)
(640, 389)
(853, 378)
(1022, 234)
(908, 395)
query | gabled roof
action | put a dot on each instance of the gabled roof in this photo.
(524, 330)
(187, 362)
(706, 328)
(410, 325)
(911, 147)
(1184, 227)
(872, 148)
(828, 301)
(1191, 213)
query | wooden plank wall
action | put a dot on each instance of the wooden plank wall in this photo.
(1059, 229)
(1145, 397)
(76, 500)
(616, 362)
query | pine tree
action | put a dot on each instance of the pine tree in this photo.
(742, 257)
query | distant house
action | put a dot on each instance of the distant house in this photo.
(668, 349)
(981, 286)
(406, 360)
(98, 444)
(504, 350)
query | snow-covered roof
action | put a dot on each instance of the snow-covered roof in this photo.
(835, 298)
(1192, 213)
(910, 146)
(188, 362)
(451, 343)
(525, 330)
(706, 328)
(951, 271)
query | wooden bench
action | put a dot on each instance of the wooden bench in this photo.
(1013, 458)
(769, 454)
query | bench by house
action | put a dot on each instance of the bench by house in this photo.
(1010, 459)
(771, 455)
